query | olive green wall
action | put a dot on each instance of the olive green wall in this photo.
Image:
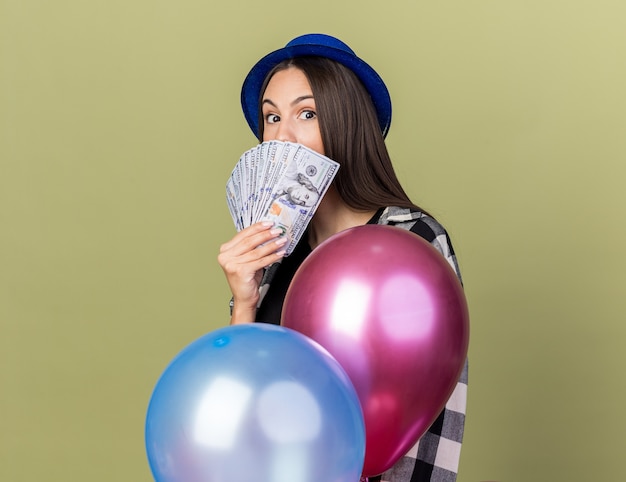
(120, 122)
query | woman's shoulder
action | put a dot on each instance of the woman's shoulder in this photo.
(413, 220)
(425, 226)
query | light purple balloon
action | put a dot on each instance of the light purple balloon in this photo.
(254, 403)
(391, 310)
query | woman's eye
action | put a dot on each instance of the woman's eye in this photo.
(308, 114)
(272, 118)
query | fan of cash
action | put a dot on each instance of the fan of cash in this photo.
(282, 182)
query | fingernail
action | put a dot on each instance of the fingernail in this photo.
(281, 241)
(281, 252)
(276, 231)
(267, 224)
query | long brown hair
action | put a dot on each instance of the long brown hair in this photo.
(350, 133)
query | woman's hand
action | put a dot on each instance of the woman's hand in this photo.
(243, 258)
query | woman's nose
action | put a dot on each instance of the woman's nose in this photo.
(285, 132)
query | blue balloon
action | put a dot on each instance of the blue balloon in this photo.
(254, 403)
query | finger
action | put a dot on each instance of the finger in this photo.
(251, 260)
(252, 230)
(272, 248)
(245, 264)
(253, 241)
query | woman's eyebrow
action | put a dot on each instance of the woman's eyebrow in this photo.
(294, 102)
(268, 101)
(301, 98)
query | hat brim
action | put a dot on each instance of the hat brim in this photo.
(251, 89)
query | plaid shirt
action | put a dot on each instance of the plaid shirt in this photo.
(435, 458)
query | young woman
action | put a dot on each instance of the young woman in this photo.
(317, 92)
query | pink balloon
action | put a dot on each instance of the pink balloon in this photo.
(387, 305)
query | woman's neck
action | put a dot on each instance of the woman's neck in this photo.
(333, 216)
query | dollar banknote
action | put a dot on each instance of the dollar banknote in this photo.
(281, 182)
